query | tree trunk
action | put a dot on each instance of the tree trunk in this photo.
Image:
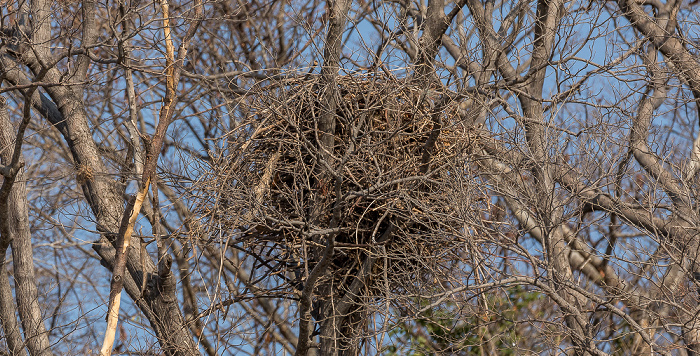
(15, 221)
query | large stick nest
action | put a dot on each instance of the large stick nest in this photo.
(396, 180)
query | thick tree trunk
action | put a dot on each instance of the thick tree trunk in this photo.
(159, 304)
(342, 334)
(8, 313)
(15, 220)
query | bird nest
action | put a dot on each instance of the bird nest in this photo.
(392, 185)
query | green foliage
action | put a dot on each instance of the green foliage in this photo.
(447, 330)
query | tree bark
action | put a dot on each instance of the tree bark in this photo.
(14, 217)
(337, 18)
(100, 191)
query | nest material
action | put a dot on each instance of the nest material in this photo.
(384, 189)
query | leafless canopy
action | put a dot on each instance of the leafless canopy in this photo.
(349, 177)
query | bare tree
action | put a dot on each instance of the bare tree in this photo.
(349, 177)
